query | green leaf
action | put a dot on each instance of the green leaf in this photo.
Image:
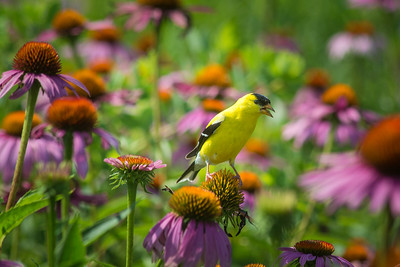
(31, 202)
(71, 251)
(91, 234)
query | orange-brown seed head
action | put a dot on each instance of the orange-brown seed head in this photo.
(337, 91)
(68, 20)
(317, 78)
(92, 81)
(213, 105)
(12, 123)
(213, 75)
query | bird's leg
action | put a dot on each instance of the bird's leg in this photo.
(208, 175)
(237, 174)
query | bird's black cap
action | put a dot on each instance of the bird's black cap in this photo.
(261, 100)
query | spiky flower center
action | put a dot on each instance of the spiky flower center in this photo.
(110, 34)
(360, 27)
(315, 247)
(72, 113)
(102, 66)
(337, 91)
(251, 182)
(255, 265)
(13, 122)
(195, 203)
(68, 20)
(161, 3)
(133, 160)
(317, 78)
(213, 75)
(92, 81)
(357, 251)
(37, 58)
(226, 187)
(213, 105)
(381, 146)
(257, 146)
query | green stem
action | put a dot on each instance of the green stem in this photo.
(159, 263)
(26, 130)
(156, 98)
(51, 229)
(77, 58)
(68, 140)
(132, 188)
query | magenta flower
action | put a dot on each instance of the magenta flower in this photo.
(41, 147)
(40, 62)
(315, 252)
(190, 236)
(7, 263)
(358, 39)
(143, 11)
(372, 172)
(210, 82)
(335, 111)
(390, 5)
(78, 116)
(281, 41)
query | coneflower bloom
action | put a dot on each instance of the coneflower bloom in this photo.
(255, 152)
(66, 23)
(143, 11)
(336, 112)
(37, 61)
(282, 41)
(372, 172)
(105, 44)
(251, 185)
(41, 147)
(96, 86)
(311, 253)
(316, 81)
(212, 81)
(359, 39)
(358, 253)
(79, 116)
(7, 263)
(190, 235)
(197, 119)
(133, 167)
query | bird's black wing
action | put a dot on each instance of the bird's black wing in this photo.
(207, 132)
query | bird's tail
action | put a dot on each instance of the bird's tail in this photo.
(189, 171)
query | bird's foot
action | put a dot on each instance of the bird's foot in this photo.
(240, 180)
(209, 176)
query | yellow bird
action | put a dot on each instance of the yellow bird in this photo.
(226, 134)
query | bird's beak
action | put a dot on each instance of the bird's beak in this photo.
(267, 110)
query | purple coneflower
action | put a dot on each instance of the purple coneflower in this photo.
(335, 112)
(371, 172)
(39, 62)
(358, 253)
(190, 235)
(41, 147)
(390, 5)
(255, 152)
(311, 253)
(210, 82)
(76, 118)
(198, 119)
(144, 11)
(7, 263)
(359, 39)
(316, 81)
(66, 23)
(250, 187)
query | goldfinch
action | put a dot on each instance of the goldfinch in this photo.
(226, 134)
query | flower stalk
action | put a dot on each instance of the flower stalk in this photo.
(68, 140)
(26, 130)
(51, 227)
(132, 189)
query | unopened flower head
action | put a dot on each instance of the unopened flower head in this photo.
(138, 168)
(92, 81)
(312, 252)
(37, 61)
(68, 22)
(55, 177)
(13, 122)
(73, 114)
(225, 186)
